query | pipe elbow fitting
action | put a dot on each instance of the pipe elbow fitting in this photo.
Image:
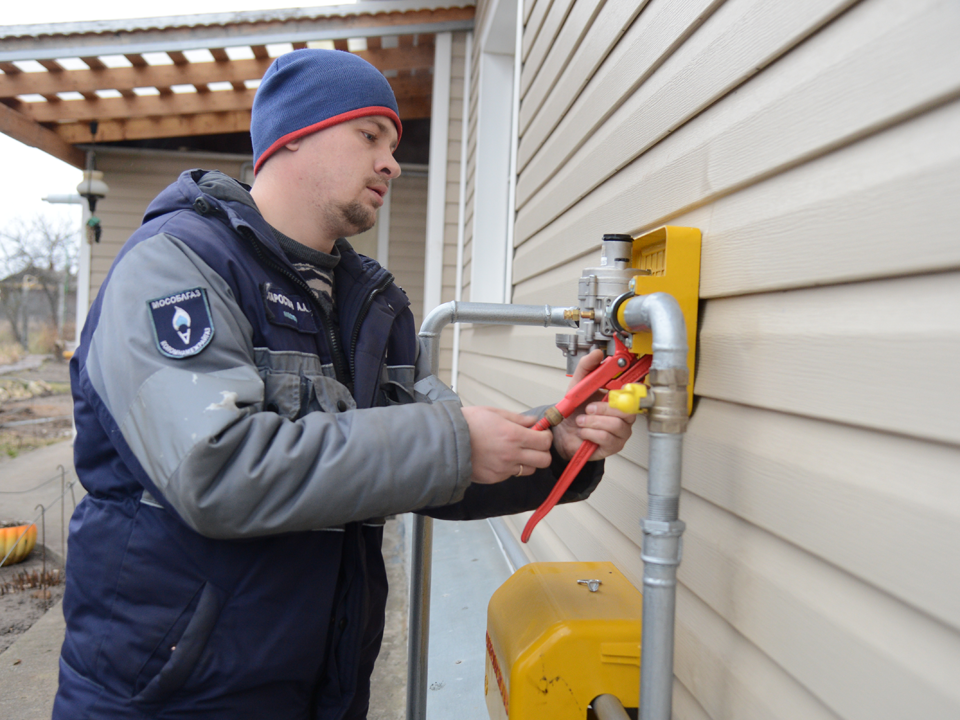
(660, 314)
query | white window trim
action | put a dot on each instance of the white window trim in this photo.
(383, 231)
(491, 268)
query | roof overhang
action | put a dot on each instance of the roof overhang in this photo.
(196, 75)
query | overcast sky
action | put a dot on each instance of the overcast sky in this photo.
(27, 174)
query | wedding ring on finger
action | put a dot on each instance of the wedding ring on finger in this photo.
(520, 471)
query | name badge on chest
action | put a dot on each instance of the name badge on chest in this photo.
(285, 309)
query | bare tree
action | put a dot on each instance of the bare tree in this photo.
(39, 254)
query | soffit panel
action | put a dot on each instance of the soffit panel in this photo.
(140, 80)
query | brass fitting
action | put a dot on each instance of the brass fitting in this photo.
(577, 314)
(669, 411)
(553, 416)
(669, 376)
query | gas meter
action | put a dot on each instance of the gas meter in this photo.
(664, 260)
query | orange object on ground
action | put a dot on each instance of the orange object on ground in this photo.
(21, 539)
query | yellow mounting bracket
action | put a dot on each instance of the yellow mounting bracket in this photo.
(671, 255)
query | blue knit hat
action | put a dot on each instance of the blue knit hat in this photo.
(308, 90)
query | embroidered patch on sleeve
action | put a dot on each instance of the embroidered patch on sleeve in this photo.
(182, 323)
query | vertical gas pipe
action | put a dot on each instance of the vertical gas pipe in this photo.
(603, 291)
(660, 314)
(422, 541)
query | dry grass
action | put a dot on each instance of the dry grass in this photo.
(43, 340)
(13, 444)
(36, 580)
(16, 395)
(10, 353)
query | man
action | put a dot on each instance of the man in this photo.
(250, 404)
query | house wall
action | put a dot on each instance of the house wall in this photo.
(135, 178)
(473, 89)
(452, 204)
(815, 146)
(408, 232)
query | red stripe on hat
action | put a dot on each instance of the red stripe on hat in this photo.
(335, 120)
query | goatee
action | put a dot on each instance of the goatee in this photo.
(358, 216)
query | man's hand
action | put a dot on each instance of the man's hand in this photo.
(594, 420)
(502, 444)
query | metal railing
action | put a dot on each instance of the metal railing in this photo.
(65, 487)
(422, 541)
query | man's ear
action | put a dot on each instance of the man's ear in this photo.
(293, 145)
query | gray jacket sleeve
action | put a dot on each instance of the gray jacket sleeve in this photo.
(513, 495)
(228, 467)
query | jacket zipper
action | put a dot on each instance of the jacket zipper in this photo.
(364, 309)
(334, 344)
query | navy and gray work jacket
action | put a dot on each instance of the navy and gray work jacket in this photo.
(239, 450)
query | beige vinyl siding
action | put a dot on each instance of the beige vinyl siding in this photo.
(554, 50)
(534, 11)
(471, 139)
(135, 178)
(452, 198)
(408, 232)
(815, 145)
(366, 242)
(547, 37)
(601, 37)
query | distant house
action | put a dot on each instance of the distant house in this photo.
(36, 300)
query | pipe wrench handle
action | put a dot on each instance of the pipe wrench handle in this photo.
(573, 469)
(634, 372)
(605, 373)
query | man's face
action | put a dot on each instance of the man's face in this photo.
(345, 171)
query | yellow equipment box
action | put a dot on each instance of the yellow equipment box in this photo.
(671, 256)
(554, 643)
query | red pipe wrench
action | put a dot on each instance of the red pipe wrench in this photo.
(617, 370)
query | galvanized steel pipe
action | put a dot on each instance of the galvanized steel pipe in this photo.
(661, 314)
(418, 628)
(489, 314)
(609, 707)
(662, 530)
(422, 542)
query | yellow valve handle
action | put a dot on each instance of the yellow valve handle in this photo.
(628, 398)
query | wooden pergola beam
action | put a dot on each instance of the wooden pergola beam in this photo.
(30, 133)
(213, 123)
(138, 107)
(121, 79)
(384, 59)
(415, 108)
(132, 77)
(408, 87)
(176, 104)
